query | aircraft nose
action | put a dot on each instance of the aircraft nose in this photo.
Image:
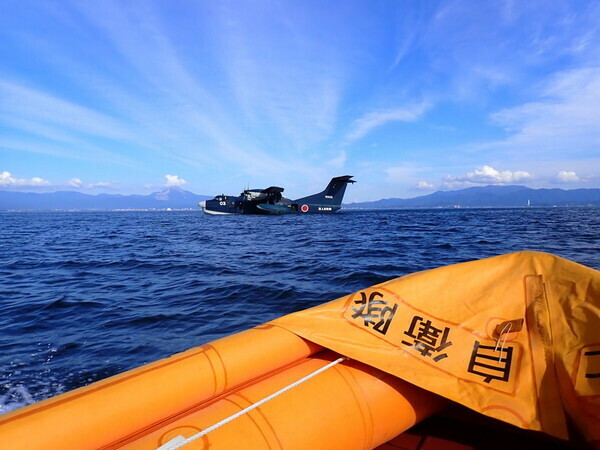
(202, 204)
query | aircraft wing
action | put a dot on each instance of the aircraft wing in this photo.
(273, 190)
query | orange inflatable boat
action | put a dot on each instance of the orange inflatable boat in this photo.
(515, 338)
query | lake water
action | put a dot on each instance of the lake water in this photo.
(86, 295)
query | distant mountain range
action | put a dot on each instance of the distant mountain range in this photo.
(491, 196)
(174, 198)
(177, 198)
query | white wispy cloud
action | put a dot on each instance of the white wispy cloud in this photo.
(170, 181)
(75, 182)
(8, 180)
(55, 126)
(400, 174)
(557, 129)
(279, 76)
(338, 161)
(294, 104)
(22, 102)
(174, 181)
(566, 176)
(375, 119)
(168, 111)
(78, 184)
(565, 118)
(408, 23)
(486, 175)
(425, 186)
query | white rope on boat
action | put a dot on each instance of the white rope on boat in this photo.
(178, 442)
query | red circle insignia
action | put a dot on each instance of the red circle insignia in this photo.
(304, 208)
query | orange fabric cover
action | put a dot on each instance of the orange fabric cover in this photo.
(515, 337)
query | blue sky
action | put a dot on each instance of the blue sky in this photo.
(215, 96)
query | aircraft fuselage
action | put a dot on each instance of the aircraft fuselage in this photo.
(270, 201)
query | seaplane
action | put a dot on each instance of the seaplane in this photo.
(271, 201)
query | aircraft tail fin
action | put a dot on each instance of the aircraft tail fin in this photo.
(332, 195)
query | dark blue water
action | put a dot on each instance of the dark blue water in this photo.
(86, 295)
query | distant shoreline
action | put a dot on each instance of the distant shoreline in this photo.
(511, 196)
(100, 210)
(344, 208)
